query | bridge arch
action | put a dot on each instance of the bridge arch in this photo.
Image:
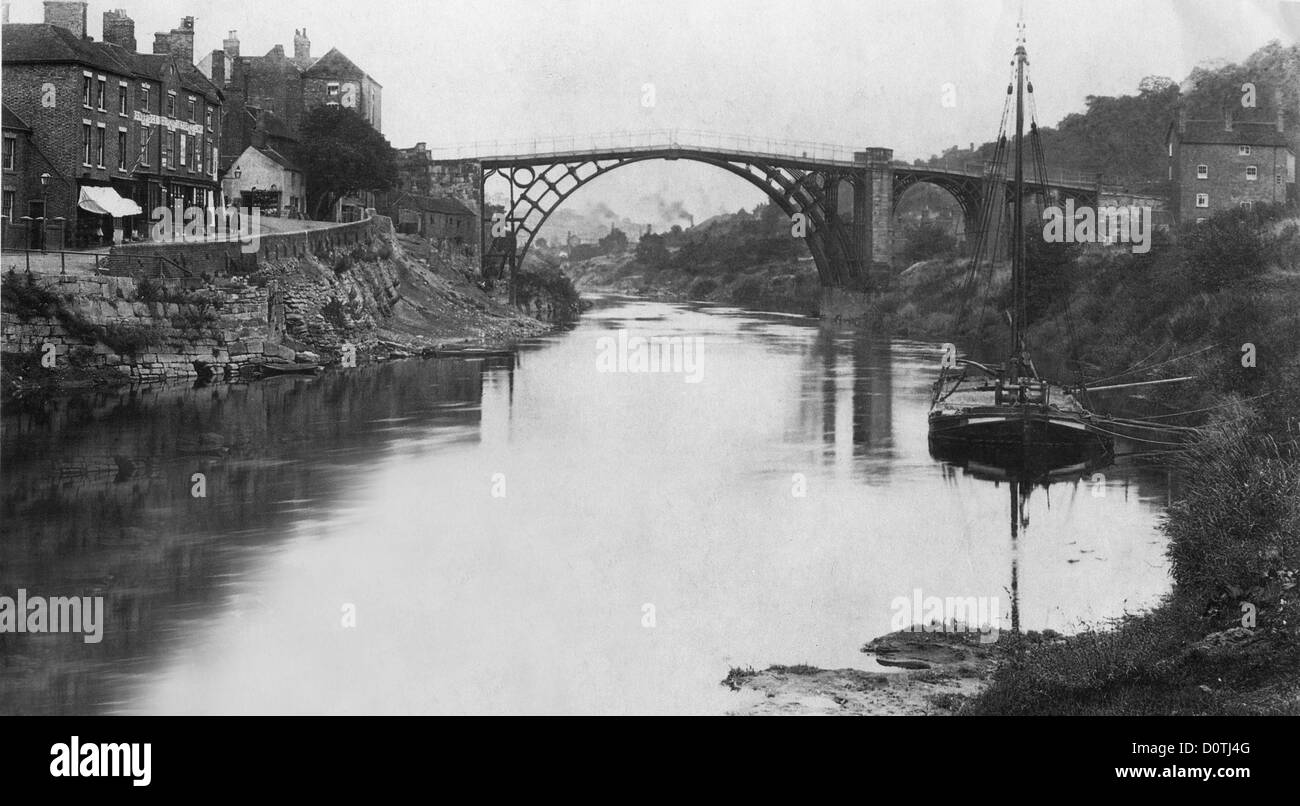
(967, 191)
(539, 187)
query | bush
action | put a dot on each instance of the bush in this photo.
(747, 291)
(147, 290)
(27, 298)
(128, 339)
(334, 314)
(703, 287)
(927, 240)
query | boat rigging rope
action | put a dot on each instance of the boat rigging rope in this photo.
(1154, 366)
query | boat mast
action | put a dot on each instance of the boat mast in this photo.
(1017, 210)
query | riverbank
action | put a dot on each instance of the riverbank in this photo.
(929, 674)
(1217, 303)
(389, 296)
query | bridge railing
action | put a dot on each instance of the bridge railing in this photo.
(696, 139)
(648, 140)
(1055, 176)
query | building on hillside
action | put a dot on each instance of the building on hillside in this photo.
(436, 218)
(268, 97)
(334, 80)
(264, 178)
(1217, 165)
(121, 133)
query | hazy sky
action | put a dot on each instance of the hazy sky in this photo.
(852, 72)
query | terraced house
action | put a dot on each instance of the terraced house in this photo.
(118, 133)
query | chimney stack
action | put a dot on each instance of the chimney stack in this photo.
(67, 14)
(119, 29)
(179, 42)
(1182, 118)
(301, 45)
(218, 76)
(1281, 113)
(231, 45)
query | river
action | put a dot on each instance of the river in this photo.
(536, 535)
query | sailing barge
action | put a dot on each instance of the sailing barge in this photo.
(1007, 414)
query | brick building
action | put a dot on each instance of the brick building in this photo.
(121, 132)
(23, 223)
(268, 97)
(1216, 165)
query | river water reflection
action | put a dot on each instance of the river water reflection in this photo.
(447, 536)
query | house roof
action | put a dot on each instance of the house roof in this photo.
(38, 43)
(269, 123)
(26, 43)
(431, 204)
(334, 64)
(11, 120)
(153, 65)
(1243, 134)
(276, 156)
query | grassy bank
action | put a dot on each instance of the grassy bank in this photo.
(1226, 640)
(1219, 302)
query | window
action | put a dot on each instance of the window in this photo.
(198, 155)
(207, 118)
(1202, 172)
(332, 89)
(171, 104)
(11, 145)
(183, 148)
(144, 98)
(103, 90)
(8, 209)
(121, 100)
(144, 145)
(1245, 205)
(166, 148)
(86, 82)
(194, 111)
(1202, 200)
(1252, 173)
(99, 146)
(1200, 221)
(1243, 151)
(86, 133)
(121, 149)
(1171, 148)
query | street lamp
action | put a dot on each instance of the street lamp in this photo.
(45, 186)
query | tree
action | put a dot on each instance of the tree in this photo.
(651, 251)
(342, 154)
(615, 241)
(926, 240)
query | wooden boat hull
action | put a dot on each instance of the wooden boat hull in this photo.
(1013, 426)
(1026, 443)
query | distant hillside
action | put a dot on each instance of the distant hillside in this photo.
(1124, 136)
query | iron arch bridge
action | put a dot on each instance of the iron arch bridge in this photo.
(847, 197)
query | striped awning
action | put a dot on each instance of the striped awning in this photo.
(105, 201)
